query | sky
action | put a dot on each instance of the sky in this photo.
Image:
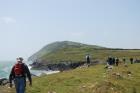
(28, 25)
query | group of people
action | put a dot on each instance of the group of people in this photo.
(113, 61)
(116, 61)
(110, 60)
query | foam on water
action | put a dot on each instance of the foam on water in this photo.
(5, 69)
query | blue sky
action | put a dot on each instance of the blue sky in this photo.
(28, 25)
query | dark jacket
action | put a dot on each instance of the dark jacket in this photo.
(26, 73)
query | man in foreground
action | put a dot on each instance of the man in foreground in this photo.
(19, 73)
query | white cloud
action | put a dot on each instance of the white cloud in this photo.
(7, 20)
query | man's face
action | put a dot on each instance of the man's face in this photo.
(19, 61)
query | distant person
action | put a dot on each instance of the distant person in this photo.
(113, 61)
(19, 73)
(107, 61)
(88, 59)
(137, 61)
(117, 61)
(110, 61)
(124, 60)
(131, 60)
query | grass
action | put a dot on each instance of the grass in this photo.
(67, 51)
(94, 79)
(78, 54)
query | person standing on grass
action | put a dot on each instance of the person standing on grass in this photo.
(124, 60)
(19, 73)
(117, 61)
(88, 59)
(113, 61)
(110, 60)
(131, 60)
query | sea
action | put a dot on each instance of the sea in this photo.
(6, 66)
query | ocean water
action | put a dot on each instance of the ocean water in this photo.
(6, 66)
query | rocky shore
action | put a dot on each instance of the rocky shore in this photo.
(3, 81)
(60, 66)
(53, 67)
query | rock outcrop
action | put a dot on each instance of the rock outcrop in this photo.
(60, 66)
(4, 81)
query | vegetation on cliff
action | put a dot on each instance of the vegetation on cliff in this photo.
(67, 51)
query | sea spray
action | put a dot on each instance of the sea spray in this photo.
(6, 66)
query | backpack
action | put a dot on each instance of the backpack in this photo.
(18, 69)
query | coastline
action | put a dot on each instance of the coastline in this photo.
(5, 68)
(34, 73)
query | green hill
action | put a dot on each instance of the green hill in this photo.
(67, 51)
(63, 51)
(95, 79)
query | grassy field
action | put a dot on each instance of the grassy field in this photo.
(78, 54)
(74, 52)
(94, 79)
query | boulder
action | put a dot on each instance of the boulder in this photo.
(4, 81)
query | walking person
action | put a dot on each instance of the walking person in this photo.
(18, 74)
(110, 61)
(124, 60)
(88, 60)
(117, 61)
(131, 60)
(113, 61)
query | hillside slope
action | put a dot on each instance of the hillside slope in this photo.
(94, 79)
(51, 50)
(67, 51)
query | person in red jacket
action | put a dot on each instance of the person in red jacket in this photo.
(19, 73)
